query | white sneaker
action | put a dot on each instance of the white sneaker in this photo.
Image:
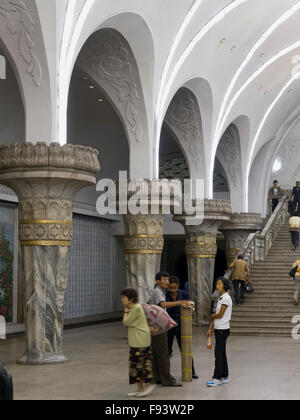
(214, 383)
(148, 391)
(133, 394)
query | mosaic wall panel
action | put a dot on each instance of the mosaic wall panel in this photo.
(90, 289)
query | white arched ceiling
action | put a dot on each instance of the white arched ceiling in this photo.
(21, 37)
(242, 48)
(261, 171)
(107, 60)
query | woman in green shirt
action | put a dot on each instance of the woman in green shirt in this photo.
(139, 339)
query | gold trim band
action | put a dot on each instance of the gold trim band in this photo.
(143, 236)
(46, 243)
(200, 256)
(142, 252)
(46, 222)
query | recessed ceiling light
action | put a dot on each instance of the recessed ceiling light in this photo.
(262, 54)
(222, 40)
(85, 78)
(92, 87)
(100, 100)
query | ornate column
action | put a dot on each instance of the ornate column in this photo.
(46, 178)
(143, 244)
(201, 251)
(143, 233)
(238, 229)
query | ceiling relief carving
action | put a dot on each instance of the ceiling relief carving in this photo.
(289, 149)
(108, 56)
(20, 24)
(229, 154)
(184, 118)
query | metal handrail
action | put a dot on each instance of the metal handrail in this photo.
(258, 245)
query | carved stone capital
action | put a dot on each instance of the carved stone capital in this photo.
(237, 231)
(46, 178)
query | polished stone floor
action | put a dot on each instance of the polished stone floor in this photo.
(261, 368)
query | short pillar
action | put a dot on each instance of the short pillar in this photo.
(186, 343)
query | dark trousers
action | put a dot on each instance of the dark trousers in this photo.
(176, 332)
(161, 360)
(221, 368)
(275, 203)
(239, 291)
(295, 235)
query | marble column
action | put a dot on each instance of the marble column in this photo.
(46, 178)
(143, 233)
(237, 231)
(201, 251)
(143, 244)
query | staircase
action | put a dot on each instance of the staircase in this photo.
(269, 311)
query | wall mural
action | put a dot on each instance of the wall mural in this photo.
(7, 243)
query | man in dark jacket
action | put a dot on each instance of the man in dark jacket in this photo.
(296, 197)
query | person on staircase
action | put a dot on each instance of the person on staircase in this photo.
(241, 275)
(275, 193)
(296, 199)
(297, 282)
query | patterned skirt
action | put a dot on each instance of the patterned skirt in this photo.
(140, 366)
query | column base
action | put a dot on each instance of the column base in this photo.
(39, 359)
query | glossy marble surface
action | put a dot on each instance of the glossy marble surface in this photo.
(260, 368)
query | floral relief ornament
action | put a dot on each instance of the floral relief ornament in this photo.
(19, 22)
(109, 57)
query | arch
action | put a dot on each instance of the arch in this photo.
(107, 59)
(261, 168)
(12, 110)
(22, 39)
(140, 49)
(229, 154)
(184, 118)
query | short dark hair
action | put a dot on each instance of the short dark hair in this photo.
(161, 274)
(275, 181)
(240, 257)
(131, 294)
(174, 279)
(226, 283)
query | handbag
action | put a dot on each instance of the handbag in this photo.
(159, 319)
(293, 272)
(249, 288)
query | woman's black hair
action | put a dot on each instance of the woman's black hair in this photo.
(131, 294)
(226, 283)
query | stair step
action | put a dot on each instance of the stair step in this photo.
(254, 332)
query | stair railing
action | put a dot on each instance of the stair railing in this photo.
(258, 245)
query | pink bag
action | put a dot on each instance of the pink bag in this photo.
(159, 319)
